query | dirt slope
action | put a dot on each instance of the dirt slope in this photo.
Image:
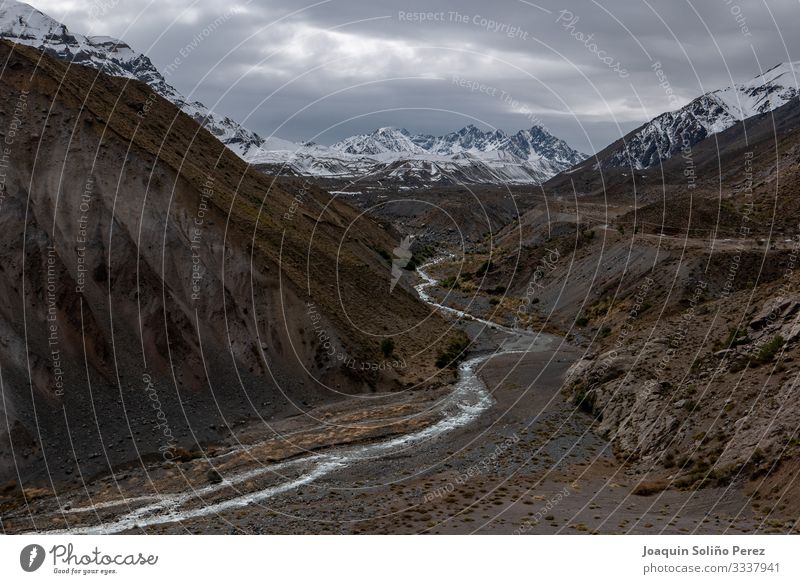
(156, 290)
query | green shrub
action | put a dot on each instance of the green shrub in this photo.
(736, 337)
(454, 353)
(387, 347)
(450, 282)
(484, 267)
(767, 352)
(417, 259)
(383, 253)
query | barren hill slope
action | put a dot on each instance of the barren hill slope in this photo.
(686, 301)
(154, 289)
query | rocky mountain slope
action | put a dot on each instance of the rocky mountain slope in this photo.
(670, 133)
(470, 156)
(26, 25)
(686, 301)
(714, 172)
(157, 290)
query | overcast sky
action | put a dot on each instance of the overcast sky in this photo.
(305, 70)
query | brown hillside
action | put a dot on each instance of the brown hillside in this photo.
(154, 287)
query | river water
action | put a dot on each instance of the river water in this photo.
(468, 400)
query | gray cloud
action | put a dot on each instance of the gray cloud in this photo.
(329, 69)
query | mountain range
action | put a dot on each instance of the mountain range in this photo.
(711, 113)
(191, 343)
(469, 155)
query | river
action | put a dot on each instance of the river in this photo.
(468, 400)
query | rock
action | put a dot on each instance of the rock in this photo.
(774, 311)
(791, 331)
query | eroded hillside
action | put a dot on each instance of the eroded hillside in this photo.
(157, 291)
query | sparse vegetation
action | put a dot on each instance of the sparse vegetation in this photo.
(647, 488)
(455, 351)
(602, 307)
(737, 336)
(584, 399)
(768, 351)
(451, 282)
(418, 258)
(484, 267)
(387, 347)
(383, 253)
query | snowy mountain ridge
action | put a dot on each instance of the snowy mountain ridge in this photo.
(467, 155)
(530, 156)
(24, 24)
(716, 111)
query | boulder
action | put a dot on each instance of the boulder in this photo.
(775, 310)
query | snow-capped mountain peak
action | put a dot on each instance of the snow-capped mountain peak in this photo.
(20, 20)
(24, 24)
(469, 154)
(534, 144)
(468, 139)
(466, 155)
(384, 140)
(716, 111)
(763, 93)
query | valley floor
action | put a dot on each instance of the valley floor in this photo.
(531, 463)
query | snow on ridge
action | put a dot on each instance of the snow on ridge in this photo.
(470, 154)
(467, 155)
(709, 114)
(24, 24)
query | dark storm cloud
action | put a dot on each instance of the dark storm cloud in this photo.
(329, 69)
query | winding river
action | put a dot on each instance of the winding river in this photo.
(468, 400)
